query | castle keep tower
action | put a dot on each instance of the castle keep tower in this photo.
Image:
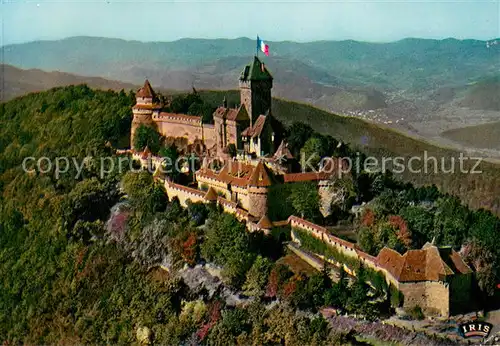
(255, 89)
(146, 104)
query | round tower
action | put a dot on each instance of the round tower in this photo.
(145, 107)
(258, 188)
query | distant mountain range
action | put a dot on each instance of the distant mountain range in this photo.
(417, 85)
(413, 64)
(406, 64)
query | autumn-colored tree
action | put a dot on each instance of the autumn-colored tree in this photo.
(368, 218)
(214, 315)
(403, 233)
(290, 287)
(272, 284)
(485, 264)
(279, 274)
(190, 249)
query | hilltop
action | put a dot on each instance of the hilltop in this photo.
(17, 82)
(75, 247)
(479, 136)
(483, 95)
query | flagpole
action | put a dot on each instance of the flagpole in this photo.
(257, 47)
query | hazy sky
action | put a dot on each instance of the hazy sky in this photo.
(148, 20)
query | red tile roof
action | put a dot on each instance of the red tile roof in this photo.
(146, 91)
(260, 176)
(256, 129)
(239, 174)
(425, 264)
(231, 113)
(283, 152)
(211, 195)
(307, 176)
(265, 223)
(236, 173)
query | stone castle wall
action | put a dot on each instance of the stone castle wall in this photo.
(183, 193)
(189, 127)
(242, 196)
(219, 186)
(141, 117)
(180, 126)
(257, 201)
(432, 296)
(209, 135)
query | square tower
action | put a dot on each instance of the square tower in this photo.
(255, 89)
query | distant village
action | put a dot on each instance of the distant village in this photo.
(253, 156)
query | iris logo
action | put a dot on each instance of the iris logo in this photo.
(475, 329)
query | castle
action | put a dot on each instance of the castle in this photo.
(248, 127)
(435, 279)
(260, 161)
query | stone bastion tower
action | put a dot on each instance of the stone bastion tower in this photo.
(147, 104)
(258, 188)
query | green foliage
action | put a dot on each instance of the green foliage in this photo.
(420, 221)
(313, 150)
(192, 104)
(89, 200)
(198, 212)
(450, 222)
(366, 240)
(395, 296)
(71, 121)
(298, 134)
(146, 136)
(64, 284)
(227, 243)
(416, 313)
(170, 156)
(146, 196)
(304, 197)
(256, 277)
(315, 245)
(279, 201)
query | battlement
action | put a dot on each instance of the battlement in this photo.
(178, 118)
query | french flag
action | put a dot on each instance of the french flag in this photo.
(262, 46)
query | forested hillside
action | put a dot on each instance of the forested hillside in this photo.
(68, 276)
